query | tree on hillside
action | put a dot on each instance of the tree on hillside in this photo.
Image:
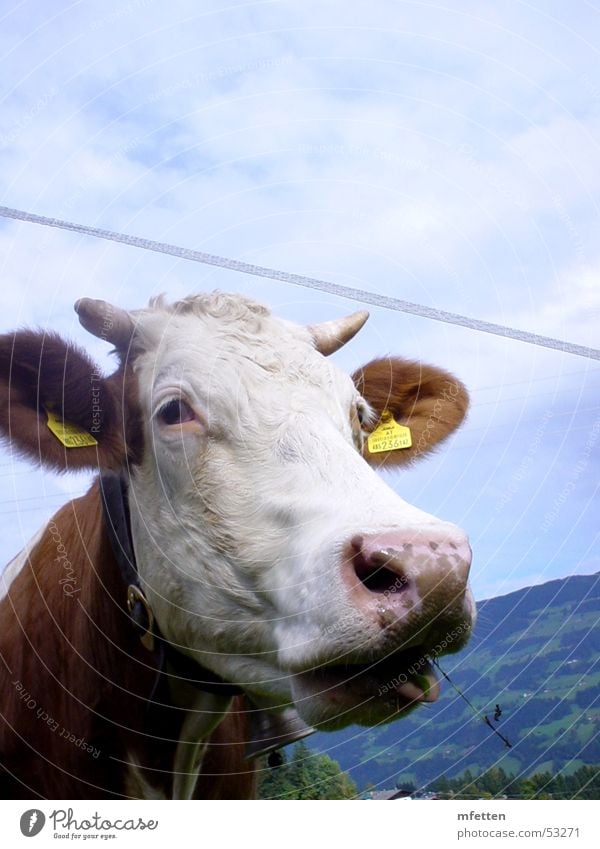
(307, 775)
(405, 785)
(493, 781)
(584, 783)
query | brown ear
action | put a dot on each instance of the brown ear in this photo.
(40, 371)
(428, 400)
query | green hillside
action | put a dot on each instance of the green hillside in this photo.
(534, 652)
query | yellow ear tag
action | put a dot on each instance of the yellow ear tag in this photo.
(68, 433)
(389, 435)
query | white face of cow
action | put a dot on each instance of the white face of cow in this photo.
(271, 552)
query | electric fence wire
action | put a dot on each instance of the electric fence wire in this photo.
(362, 295)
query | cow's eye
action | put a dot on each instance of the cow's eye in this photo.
(363, 414)
(357, 419)
(175, 412)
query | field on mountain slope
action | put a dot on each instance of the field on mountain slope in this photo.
(535, 652)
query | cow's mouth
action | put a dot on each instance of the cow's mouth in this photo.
(334, 696)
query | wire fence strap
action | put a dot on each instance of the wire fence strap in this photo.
(361, 295)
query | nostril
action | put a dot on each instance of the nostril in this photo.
(400, 574)
(373, 572)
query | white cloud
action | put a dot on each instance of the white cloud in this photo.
(442, 155)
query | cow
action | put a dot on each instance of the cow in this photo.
(238, 557)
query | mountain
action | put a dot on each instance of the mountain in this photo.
(534, 652)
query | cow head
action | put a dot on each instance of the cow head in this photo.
(270, 549)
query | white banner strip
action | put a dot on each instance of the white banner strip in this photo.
(302, 825)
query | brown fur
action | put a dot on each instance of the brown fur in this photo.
(225, 773)
(40, 370)
(78, 657)
(430, 401)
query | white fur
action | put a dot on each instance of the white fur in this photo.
(239, 519)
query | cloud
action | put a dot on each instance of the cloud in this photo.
(441, 155)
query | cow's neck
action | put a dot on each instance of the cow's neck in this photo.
(195, 693)
(81, 661)
(201, 696)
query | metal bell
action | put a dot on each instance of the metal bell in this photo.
(269, 730)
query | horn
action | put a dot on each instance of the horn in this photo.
(329, 336)
(106, 322)
(269, 730)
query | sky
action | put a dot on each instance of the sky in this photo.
(446, 154)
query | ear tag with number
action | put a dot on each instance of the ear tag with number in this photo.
(389, 435)
(71, 435)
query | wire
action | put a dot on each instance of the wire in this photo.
(385, 301)
(483, 717)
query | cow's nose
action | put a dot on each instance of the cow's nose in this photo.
(402, 570)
